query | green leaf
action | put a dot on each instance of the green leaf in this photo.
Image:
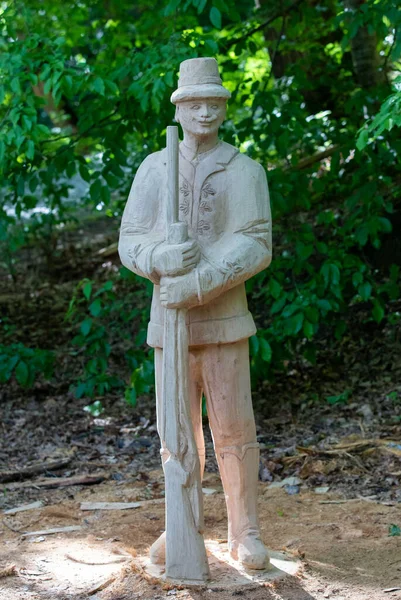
(71, 169)
(278, 305)
(365, 291)
(201, 6)
(385, 225)
(15, 86)
(26, 122)
(265, 350)
(95, 409)
(22, 373)
(80, 390)
(394, 530)
(340, 398)
(363, 139)
(331, 274)
(30, 150)
(86, 326)
(323, 304)
(275, 288)
(308, 329)
(171, 7)
(95, 190)
(21, 185)
(98, 86)
(105, 194)
(215, 17)
(254, 345)
(312, 314)
(169, 78)
(294, 323)
(87, 289)
(131, 396)
(96, 307)
(84, 172)
(377, 311)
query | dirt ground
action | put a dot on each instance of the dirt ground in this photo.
(344, 547)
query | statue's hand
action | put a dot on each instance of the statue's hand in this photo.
(171, 260)
(179, 292)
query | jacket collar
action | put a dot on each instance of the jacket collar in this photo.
(215, 161)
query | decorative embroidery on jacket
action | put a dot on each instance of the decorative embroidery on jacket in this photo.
(184, 189)
(207, 190)
(232, 268)
(204, 207)
(203, 226)
(133, 229)
(184, 206)
(184, 202)
(133, 253)
(259, 230)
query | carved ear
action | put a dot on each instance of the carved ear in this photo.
(176, 114)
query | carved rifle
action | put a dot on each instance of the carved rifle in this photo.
(186, 558)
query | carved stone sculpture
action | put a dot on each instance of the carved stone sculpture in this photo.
(224, 200)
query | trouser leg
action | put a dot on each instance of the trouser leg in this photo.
(226, 379)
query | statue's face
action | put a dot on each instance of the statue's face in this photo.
(202, 116)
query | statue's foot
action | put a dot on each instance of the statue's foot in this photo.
(251, 553)
(158, 550)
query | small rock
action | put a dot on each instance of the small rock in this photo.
(292, 489)
(292, 543)
(366, 412)
(321, 490)
(288, 481)
(265, 474)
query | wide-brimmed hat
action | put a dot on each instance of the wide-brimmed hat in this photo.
(199, 78)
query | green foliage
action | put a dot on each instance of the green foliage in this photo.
(394, 530)
(95, 409)
(25, 364)
(100, 316)
(85, 97)
(389, 116)
(339, 398)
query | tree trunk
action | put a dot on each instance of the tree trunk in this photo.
(365, 57)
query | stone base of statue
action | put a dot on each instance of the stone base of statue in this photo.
(225, 572)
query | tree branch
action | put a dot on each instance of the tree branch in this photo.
(308, 161)
(281, 13)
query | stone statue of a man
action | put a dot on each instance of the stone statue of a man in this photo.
(225, 201)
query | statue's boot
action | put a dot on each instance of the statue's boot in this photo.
(239, 468)
(157, 552)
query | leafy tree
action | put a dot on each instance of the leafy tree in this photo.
(84, 93)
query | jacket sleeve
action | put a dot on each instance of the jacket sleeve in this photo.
(141, 229)
(245, 248)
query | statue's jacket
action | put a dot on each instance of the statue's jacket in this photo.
(224, 199)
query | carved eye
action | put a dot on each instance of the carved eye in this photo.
(195, 107)
(214, 106)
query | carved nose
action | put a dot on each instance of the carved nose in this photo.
(205, 111)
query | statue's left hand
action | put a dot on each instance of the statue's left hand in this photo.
(179, 292)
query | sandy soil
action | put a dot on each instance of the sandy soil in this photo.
(345, 548)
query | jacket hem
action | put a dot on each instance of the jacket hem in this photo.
(215, 331)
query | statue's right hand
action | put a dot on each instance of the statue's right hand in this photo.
(176, 259)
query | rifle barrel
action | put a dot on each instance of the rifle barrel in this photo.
(172, 176)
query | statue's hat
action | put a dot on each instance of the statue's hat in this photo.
(199, 78)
